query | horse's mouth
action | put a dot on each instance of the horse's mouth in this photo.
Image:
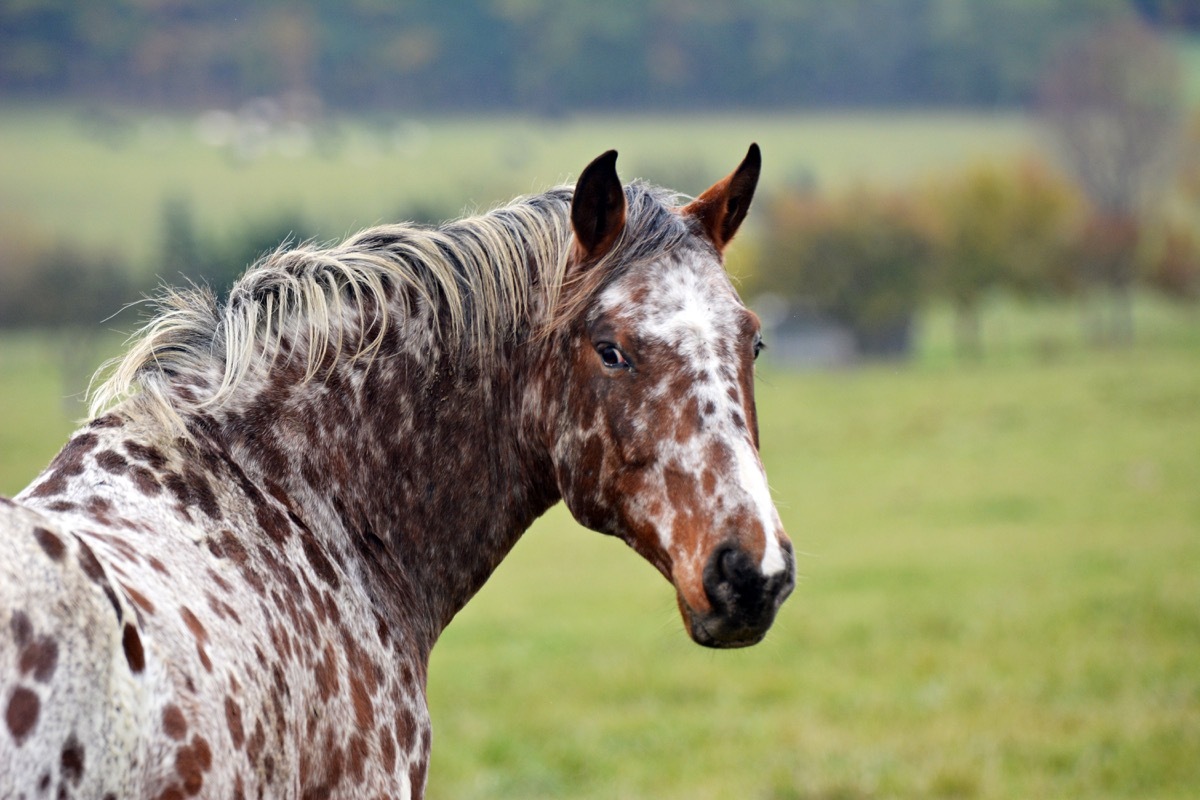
(704, 637)
(709, 629)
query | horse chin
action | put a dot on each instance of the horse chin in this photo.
(713, 630)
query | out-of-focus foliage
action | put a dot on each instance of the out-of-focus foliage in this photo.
(859, 259)
(539, 55)
(1007, 227)
(49, 283)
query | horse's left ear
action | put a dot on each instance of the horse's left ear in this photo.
(723, 206)
(598, 208)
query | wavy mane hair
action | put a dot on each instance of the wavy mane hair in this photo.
(483, 280)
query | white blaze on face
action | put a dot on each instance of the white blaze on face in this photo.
(696, 315)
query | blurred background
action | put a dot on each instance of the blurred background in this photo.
(975, 249)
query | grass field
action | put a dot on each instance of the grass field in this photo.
(999, 594)
(102, 180)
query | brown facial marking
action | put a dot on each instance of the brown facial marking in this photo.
(174, 723)
(53, 546)
(131, 643)
(21, 715)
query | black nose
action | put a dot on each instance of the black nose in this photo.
(744, 600)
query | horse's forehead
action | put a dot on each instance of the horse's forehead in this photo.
(686, 297)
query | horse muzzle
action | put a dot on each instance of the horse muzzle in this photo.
(743, 601)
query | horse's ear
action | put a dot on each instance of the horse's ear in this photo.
(598, 207)
(723, 206)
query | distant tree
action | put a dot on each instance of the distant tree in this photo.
(1113, 103)
(1000, 227)
(859, 259)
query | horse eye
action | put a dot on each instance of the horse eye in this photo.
(759, 346)
(611, 357)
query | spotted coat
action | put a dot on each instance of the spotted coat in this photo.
(240, 599)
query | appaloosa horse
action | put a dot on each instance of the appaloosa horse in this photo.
(229, 583)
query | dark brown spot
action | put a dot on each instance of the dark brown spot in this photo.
(139, 599)
(406, 729)
(416, 777)
(131, 642)
(174, 723)
(193, 624)
(72, 760)
(202, 495)
(39, 657)
(177, 486)
(55, 484)
(364, 709)
(69, 461)
(21, 627)
(112, 461)
(145, 481)
(22, 713)
(319, 562)
(357, 752)
(149, 455)
(90, 564)
(171, 793)
(327, 674)
(50, 543)
(273, 523)
(110, 420)
(233, 717)
(387, 748)
(255, 745)
(99, 508)
(192, 762)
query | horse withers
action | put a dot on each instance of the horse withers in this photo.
(229, 581)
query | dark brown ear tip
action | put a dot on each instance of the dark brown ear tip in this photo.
(753, 156)
(605, 162)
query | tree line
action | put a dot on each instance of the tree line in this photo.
(545, 56)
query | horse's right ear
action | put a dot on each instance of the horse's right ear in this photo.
(598, 208)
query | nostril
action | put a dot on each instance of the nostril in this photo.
(727, 564)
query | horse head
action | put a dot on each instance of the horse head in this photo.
(656, 439)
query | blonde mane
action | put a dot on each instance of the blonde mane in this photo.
(481, 278)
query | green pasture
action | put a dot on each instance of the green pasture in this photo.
(999, 592)
(100, 179)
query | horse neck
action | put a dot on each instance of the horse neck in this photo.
(422, 473)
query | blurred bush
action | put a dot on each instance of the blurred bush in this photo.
(861, 260)
(49, 283)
